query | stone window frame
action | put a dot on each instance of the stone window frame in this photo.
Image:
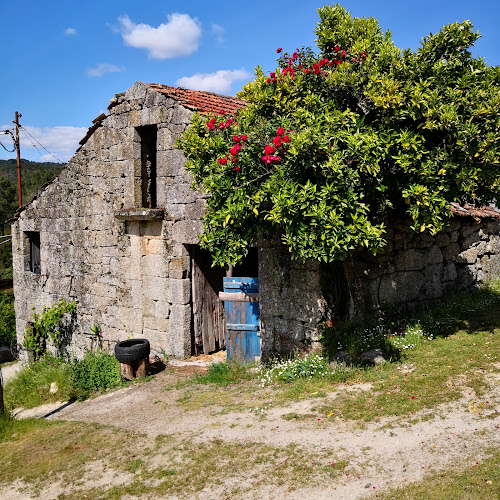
(32, 254)
(146, 177)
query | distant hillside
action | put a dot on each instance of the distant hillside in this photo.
(33, 176)
(8, 168)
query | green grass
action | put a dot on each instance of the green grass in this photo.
(476, 481)
(77, 379)
(30, 387)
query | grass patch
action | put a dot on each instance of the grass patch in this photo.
(31, 386)
(41, 454)
(77, 379)
(478, 481)
(222, 374)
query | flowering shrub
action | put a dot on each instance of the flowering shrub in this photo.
(338, 143)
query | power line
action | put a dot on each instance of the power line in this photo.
(8, 150)
(52, 154)
(5, 132)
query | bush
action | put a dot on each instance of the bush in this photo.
(95, 372)
(7, 320)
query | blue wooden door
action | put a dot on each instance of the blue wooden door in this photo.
(241, 298)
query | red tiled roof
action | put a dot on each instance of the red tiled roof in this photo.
(477, 213)
(199, 100)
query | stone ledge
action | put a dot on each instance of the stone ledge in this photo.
(138, 214)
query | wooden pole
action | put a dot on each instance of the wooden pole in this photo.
(18, 150)
(2, 407)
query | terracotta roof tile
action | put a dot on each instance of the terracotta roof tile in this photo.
(199, 100)
(477, 213)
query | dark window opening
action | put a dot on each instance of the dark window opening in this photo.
(249, 266)
(34, 243)
(148, 135)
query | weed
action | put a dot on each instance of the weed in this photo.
(95, 372)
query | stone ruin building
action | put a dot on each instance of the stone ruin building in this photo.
(117, 232)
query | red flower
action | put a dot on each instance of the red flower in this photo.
(221, 125)
(277, 141)
(279, 50)
(236, 138)
(213, 121)
(268, 80)
(222, 112)
(236, 169)
(269, 150)
(343, 53)
(280, 131)
(336, 49)
(286, 138)
(272, 75)
(244, 137)
(234, 150)
(222, 161)
(234, 159)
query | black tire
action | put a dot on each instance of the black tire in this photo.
(132, 350)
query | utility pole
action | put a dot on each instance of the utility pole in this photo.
(18, 150)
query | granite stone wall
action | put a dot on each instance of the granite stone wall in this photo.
(127, 267)
(414, 271)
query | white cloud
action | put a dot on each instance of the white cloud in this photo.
(219, 82)
(61, 141)
(70, 31)
(178, 37)
(103, 68)
(218, 34)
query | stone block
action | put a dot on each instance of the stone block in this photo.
(449, 272)
(153, 265)
(468, 228)
(158, 324)
(180, 291)
(179, 267)
(180, 330)
(187, 231)
(451, 252)
(432, 276)
(156, 288)
(162, 309)
(400, 287)
(443, 239)
(153, 246)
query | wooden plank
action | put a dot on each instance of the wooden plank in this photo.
(239, 296)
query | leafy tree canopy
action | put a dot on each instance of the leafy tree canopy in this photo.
(331, 146)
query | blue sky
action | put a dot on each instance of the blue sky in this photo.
(62, 61)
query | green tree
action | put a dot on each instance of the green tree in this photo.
(334, 146)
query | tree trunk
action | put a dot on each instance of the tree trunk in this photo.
(357, 306)
(2, 407)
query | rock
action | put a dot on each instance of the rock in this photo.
(340, 357)
(374, 357)
(53, 388)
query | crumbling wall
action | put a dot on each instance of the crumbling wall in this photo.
(417, 270)
(127, 268)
